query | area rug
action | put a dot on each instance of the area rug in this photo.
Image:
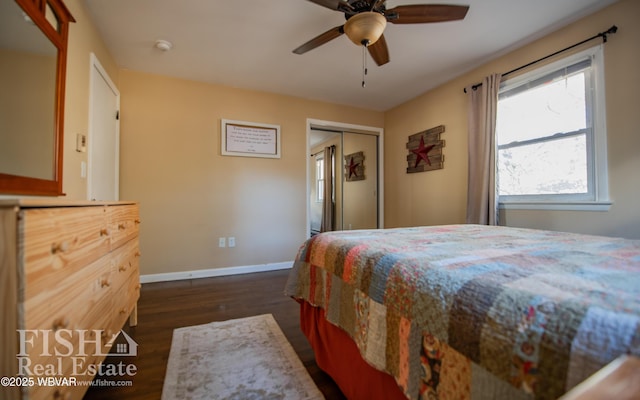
(247, 358)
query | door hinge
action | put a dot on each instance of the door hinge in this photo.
(117, 114)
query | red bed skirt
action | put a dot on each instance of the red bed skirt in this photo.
(338, 356)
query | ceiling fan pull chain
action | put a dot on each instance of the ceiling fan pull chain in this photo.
(364, 64)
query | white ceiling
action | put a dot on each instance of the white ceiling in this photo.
(249, 43)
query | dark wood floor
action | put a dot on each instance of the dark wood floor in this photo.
(165, 306)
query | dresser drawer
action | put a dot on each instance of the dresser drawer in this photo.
(68, 367)
(124, 224)
(70, 304)
(125, 301)
(59, 242)
(126, 261)
(52, 392)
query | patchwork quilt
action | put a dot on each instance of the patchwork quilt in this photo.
(471, 311)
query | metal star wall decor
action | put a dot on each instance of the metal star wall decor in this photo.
(354, 167)
(425, 150)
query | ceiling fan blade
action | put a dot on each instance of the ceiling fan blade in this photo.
(375, 3)
(338, 5)
(320, 39)
(379, 51)
(425, 13)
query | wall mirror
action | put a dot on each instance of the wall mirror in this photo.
(33, 49)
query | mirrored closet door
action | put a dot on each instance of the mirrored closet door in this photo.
(343, 180)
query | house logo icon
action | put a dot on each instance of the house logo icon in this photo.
(127, 347)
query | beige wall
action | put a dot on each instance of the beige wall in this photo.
(84, 39)
(191, 195)
(439, 197)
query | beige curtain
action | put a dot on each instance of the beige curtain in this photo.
(328, 206)
(482, 189)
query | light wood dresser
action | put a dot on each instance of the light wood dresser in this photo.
(69, 279)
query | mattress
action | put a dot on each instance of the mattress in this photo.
(471, 311)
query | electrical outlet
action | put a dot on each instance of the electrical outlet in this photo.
(222, 242)
(232, 241)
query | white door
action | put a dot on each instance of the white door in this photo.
(103, 140)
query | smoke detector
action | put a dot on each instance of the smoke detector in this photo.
(163, 45)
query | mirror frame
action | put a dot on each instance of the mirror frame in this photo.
(37, 11)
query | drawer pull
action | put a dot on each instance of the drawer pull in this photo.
(104, 232)
(122, 268)
(105, 282)
(106, 334)
(138, 286)
(123, 311)
(60, 323)
(137, 221)
(138, 254)
(59, 247)
(122, 226)
(59, 395)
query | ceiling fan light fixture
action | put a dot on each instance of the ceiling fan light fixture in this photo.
(365, 28)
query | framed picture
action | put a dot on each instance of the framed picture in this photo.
(248, 139)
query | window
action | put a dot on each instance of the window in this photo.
(551, 136)
(319, 178)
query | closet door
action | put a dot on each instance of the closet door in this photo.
(359, 193)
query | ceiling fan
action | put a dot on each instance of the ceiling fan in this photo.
(367, 19)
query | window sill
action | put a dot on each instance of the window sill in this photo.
(564, 206)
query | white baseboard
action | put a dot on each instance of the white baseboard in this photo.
(212, 272)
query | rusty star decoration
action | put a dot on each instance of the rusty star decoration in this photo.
(352, 168)
(422, 152)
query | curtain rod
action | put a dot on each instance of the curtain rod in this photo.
(333, 146)
(603, 35)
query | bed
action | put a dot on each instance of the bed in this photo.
(466, 311)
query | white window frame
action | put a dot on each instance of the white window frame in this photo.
(319, 178)
(597, 146)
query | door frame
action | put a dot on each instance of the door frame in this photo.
(96, 68)
(341, 126)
